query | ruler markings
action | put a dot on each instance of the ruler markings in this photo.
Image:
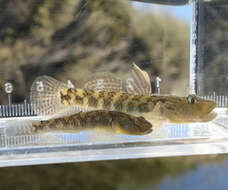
(22, 108)
(222, 101)
(13, 109)
(17, 110)
(19, 106)
(4, 113)
(25, 108)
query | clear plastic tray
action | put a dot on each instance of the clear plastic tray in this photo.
(170, 140)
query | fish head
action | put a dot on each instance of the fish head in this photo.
(187, 109)
(131, 125)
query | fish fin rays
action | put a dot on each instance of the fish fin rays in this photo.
(103, 81)
(138, 82)
(45, 94)
(46, 99)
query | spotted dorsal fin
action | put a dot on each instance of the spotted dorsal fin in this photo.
(103, 81)
(138, 82)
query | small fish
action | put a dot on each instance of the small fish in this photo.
(112, 121)
(58, 100)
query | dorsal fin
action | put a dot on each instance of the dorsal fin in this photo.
(104, 81)
(138, 82)
(45, 98)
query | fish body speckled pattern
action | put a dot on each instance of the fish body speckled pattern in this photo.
(122, 107)
(107, 120)
(118, 101)
(172, 108)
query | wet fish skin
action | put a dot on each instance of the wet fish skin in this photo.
(118, 100)
(128, 99)
(114, 121)
(171, 108)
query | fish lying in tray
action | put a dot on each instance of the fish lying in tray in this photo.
(108, 103)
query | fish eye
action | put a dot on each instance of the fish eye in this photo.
(191, 99)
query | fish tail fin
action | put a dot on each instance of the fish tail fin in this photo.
(45, 95)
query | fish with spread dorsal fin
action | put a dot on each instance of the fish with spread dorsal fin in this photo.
(119, 110)
(46, 101)
(138, 103)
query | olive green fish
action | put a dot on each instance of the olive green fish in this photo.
(106, 102)
(56, 99)
(111, 121)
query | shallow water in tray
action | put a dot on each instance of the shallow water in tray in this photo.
(168, 134)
